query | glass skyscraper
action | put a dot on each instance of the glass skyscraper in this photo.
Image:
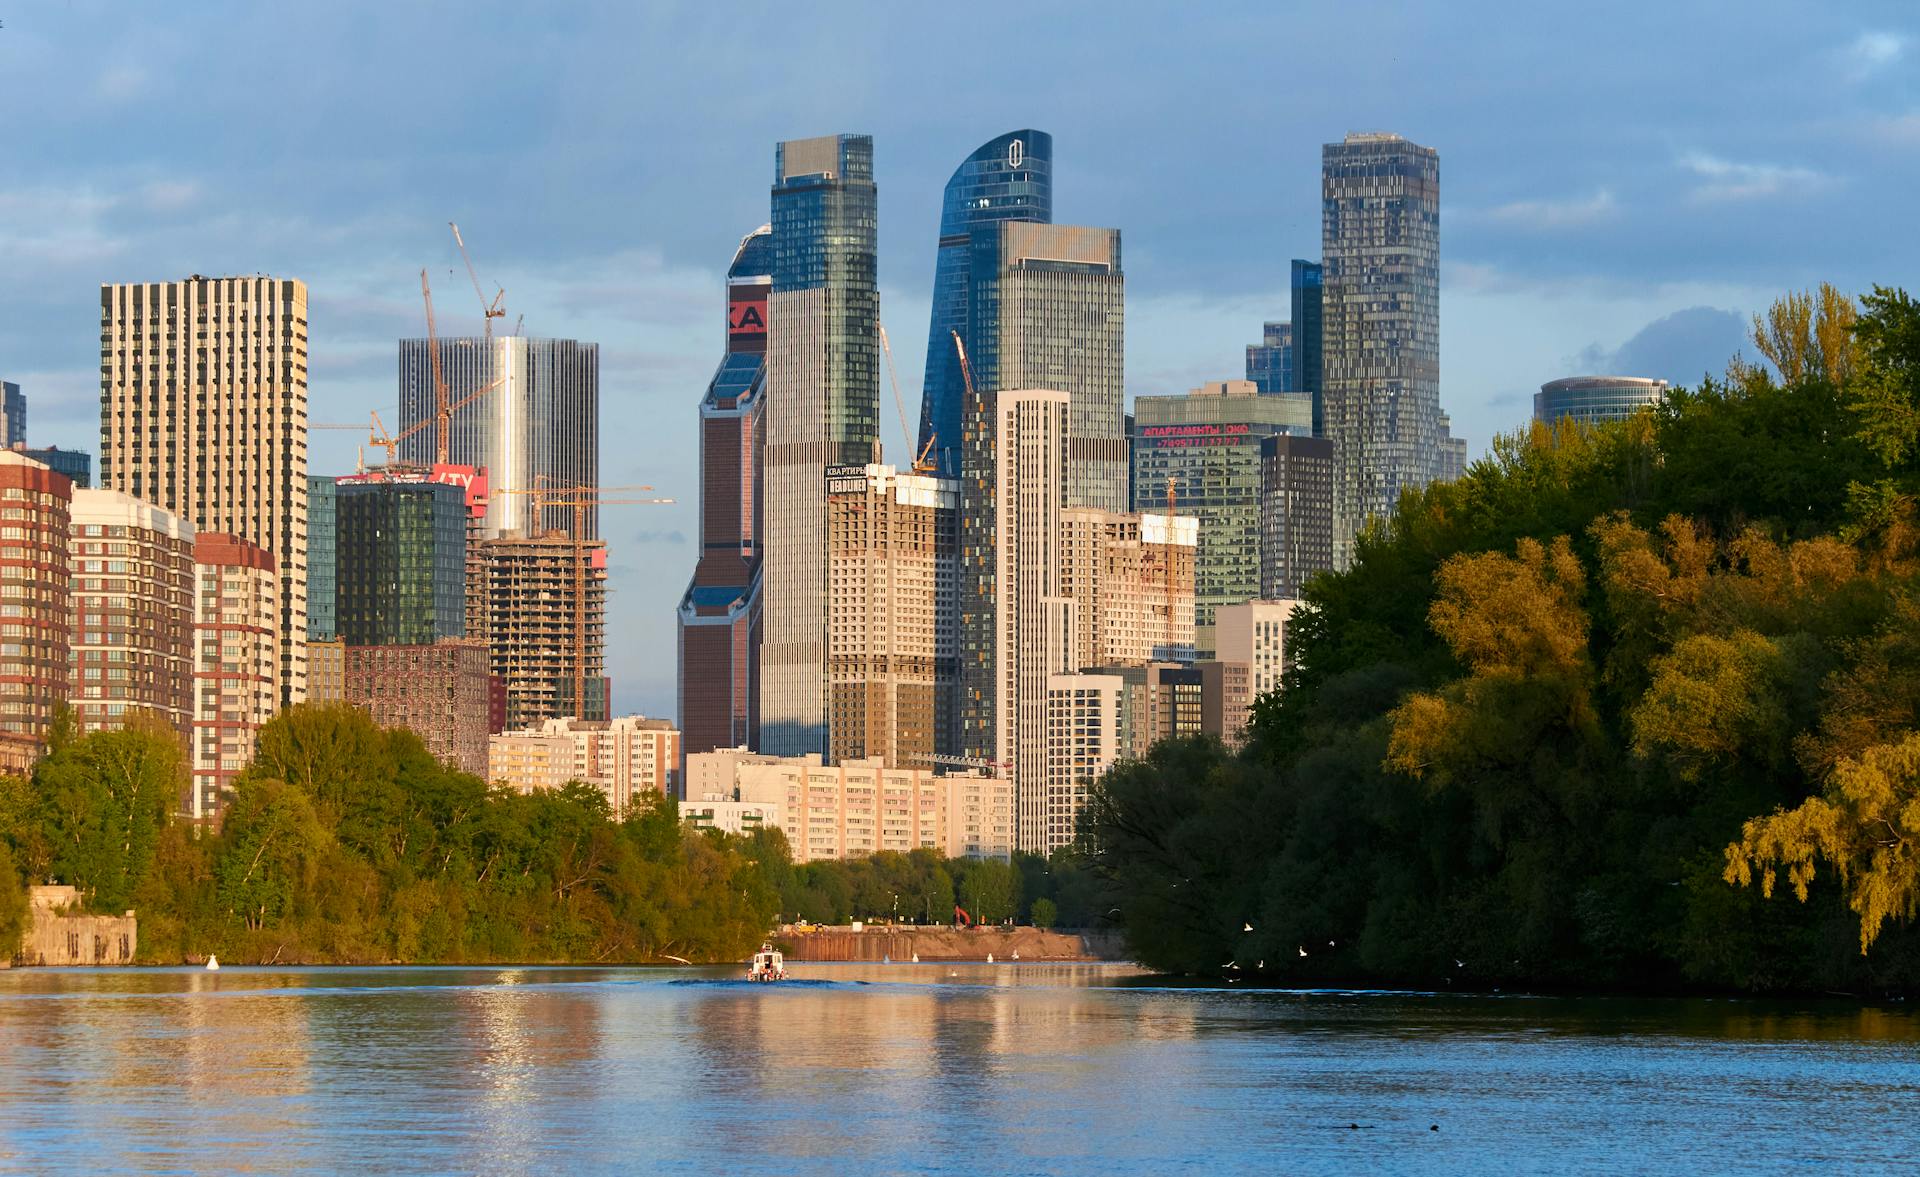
(323, 624)
(1006, 179)
(1380, 246)
(401, 561)
(1270, 362)
(1592, 399)
(15, 415)
(822, 411)
(1309, 373)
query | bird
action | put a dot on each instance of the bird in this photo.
(1459, 964)
(1246, 927)
(1303, 952)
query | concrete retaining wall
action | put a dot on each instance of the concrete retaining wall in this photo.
(931, 944)
(56, 939)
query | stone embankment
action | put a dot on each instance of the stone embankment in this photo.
(901, 943)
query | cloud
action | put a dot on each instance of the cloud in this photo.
(675, 536)
(1679, 347)
(1728, 180)
(169, 195)
(1870, 53)
(1901, 130)
(1555, 214)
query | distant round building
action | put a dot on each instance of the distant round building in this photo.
(1592, 399)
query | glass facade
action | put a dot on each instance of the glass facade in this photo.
(1593, 399)
(323, 623)
(1380, 249)
(401, 562)
(13, 412)
(1308, 324)
(1270, 362)
(75, 464)
(1006, 179)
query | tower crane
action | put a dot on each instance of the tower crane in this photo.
(920, 463)
(580, 499)
(488, 310)
(443, 405)
(1170, 502)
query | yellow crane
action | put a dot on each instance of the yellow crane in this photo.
(443, 405)
(919, 463)
(488, 310)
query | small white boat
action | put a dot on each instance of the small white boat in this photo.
(767, 965)
(213, 964)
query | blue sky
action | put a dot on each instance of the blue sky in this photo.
(1621, 185)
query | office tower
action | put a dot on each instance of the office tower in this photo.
(401, 551)
(1009, 178)
(719, 614)
(1208, 444)
(629, 758)
(1450, 456)
(1270, 363)
(13, 415)
(1309, 326)
(203, 412)
(823, 409)
(543, 608)
(133, 594)
(75, 464)
(1296, 513)
(1254, 634)
(36, 660)
(436, 690)
(890, 614)
(236, 649)
(1033, 620)
(1380, 241)
(1593, 399)
(536, 426)
(323, 622)
(1047, 310)
(1130, 579)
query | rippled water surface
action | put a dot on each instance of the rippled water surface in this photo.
(923, 1068)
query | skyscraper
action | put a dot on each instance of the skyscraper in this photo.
(75, 464)
(1009, 178)
(542, 606)
(36, 660)
(1270, 362)
(1380, 240)
(719, 615)
(823, 409)
(203, 412)
(538, 427)
(13, 415)
(323, 624)
(1309, 327)
(133, 607)
(1296, 513)
(235, 652)
(401, 549)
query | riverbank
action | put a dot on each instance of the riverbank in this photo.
(906, 942)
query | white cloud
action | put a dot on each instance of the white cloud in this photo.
(1555, 214)
(1900, 130)
(1725, 179)
(1872, 52)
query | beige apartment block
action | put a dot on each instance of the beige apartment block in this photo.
(133, 610)
(1255, 633)
(36, 608)
(626, 758)
(203, 412)
(861, 807)
(236, 660)
(1094, 721)
(1131, 579)
(732, 817)
(890, 614)
(327, 671)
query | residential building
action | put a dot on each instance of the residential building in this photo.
(1452, 454)
(732, 817)
(1309, 328)
(236, 651)
(626, 758)
(1094, 721)
(75, 464)
(1130, 579)
(711, 776)
(133, 612)
(327, 671)
(1007, 178)
(36, 607)
(542, 606)
(1206, 448)
(1296, 514)
(401, 552)
(1254, 634)
(1226, 694)
(890, 614)
(822, 409)
(438, 691)
(1270, 363)
(719, 614)
(203, 412)
(323, 623)
(533, 422)
(13, 415)
(1593, 399)
(1380, 245)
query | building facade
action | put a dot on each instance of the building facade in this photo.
(632, 757)
(542, 608)
(36, 606)
(13, 415)
(1008, 178)
(437, 691)
(823, 409)
(1309, 332)
(75, 464)
(891, 615)
(1270, 362)
(860, 807)
(1296, 513)
(1130, 581)
(327, 671)
(323, 538)
(401, 561)
(133, 612)
(235, 654)
(1094, 721)
(1254, 634)
(1380, 246)
(203, 413)
(719, 614)
(1593, 399)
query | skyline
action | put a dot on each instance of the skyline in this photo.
(1642, 184)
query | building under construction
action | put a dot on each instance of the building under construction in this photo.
(540, 605)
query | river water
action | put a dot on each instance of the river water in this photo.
(923, 1068)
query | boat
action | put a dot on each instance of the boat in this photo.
(213, 964)
(767, 965)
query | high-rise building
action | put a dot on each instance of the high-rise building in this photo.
(75, 464)
(536, 427)
(719, 615)
(890, 614)
(1380, 241)
(1450, 460)
(236, 650)
(1593, 399)
(1309, 327)
(438, 691)
(1094, 721)
(203, 412)
(1270, 363)
(1254, 634)
(1130, 579)
(327, 671)
(1296, 513)
(542, 604)
(625, 758)
(1208, 445)
(36, 660)
(133, 609)
(401, 551)
(823, 409)
(323, 623)
(1009, 178)
(13, 415)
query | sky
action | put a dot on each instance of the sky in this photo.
(1622, 186)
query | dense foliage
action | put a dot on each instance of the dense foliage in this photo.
(924, 888)
(1565, 720)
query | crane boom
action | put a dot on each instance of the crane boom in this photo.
(488, 311)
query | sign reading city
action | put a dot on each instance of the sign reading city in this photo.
(846, 480)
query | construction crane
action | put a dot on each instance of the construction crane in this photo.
(443, 405)
(966, 371)
(488, 310)
(920, 463)
(1169, 550)
(580, 499)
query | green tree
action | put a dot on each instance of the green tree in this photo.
(103, 800)
(13, 906)
(990, 891)
(275, 844)
(1045, 913)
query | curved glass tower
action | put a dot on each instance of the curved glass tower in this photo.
(1009, 178)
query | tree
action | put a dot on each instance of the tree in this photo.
(1045, 914)
(275, 842)
(990, 891)
(103, 800)
(13, 906)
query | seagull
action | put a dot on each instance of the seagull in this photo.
(1303, 952)
(1459, 964)
(1246, 927)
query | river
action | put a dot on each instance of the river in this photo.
(1024, 1068)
